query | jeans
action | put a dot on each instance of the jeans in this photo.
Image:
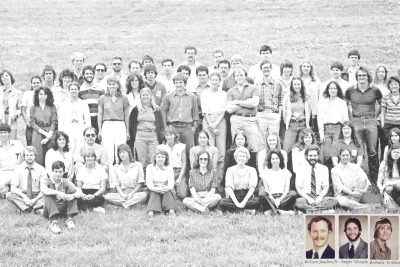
(331, 133)
(291, 134)
(186, 134)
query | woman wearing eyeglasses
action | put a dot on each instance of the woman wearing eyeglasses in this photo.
(202, 183)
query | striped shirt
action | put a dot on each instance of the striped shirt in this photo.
(392, 114)
(91, 97)
(182, 108)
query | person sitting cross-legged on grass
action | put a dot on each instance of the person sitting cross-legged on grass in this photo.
(240, 183)
(25, 184)
(128, 179)
(160, 181)
(202, 183)
(312, 184)
(91, 179)
(274, 193)
(60, 198)
(389, 179)
(350, 182)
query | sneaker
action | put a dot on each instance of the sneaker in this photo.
(172, 212)
(150, 214)
(99, 210)
(286, 212)
(38, 212)
(250, 212)
(70, 224)
(268, 213)
(54, 228)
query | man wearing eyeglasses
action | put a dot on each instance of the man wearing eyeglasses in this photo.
(364, 102)
(100, 70)
(117, 73)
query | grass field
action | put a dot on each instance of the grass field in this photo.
(35, 33)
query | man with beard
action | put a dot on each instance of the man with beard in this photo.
(158, 89)
(356, 248)
(77, 63)
(320, 229)
(117, 73)
(90, 94)
(312, 184)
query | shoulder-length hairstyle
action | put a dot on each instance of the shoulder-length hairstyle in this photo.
(9, 73)
(295, 96)
(241, 150)
(391, 80)
(153, 104)
(47, 91)
(74, 84)
(114, 80)
(277, 152)
(206, 134)
(353, 132)
(390, 160)
(125, 147)
(58, 134)
(161, 152)
(393, 130)
(268, 148)
(171, 130)
(312, 71)
(339, 90)
(49, 68)
(196, 164)
(234, 140)
(300, 140)
(66, 72)
(286, 64)
(364, 69)
(129, 80)
(379, 225)
(35, 77)
(385, 79)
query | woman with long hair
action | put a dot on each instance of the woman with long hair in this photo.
(381, 79)
(60, 152)
(273, 142)
(332, 112)
(134, 84)
(296, 113)
(113, 119)
(203, 182)
(389, 179)
(61, 94)
(348, 139)
(43, 118)
(394, 138)
(306, 138)
(204, 145)
(146, 127)
(27, 103)
(379, 249)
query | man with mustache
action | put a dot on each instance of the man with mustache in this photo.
(312, 184)
(320, 230)
(356, 248)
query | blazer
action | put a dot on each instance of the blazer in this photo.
(360, 253)
(329, 253)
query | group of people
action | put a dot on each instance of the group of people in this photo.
(208, 135)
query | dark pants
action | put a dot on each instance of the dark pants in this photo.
(229, 136)
(161, 202)
(287, 202)
(90, 204)
(227, 204)
(28, 135)
(93, 121)
(314, 126)
(186, 135)
(55, 208)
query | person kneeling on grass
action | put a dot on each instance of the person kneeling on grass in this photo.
(274, 193)
(60, 198)
(92, 180)
(350, 182)
(160, 181)
(202, 183)
(128, 178)
(25, 184)
(240, 183)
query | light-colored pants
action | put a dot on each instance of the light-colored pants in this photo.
(5, 180)
(350, 202)
(18, 202)
(113, 134)
(145, 146)
(250, 127)
(212, 201)
(116, 199)
(326, 203)
(75, 134)
(269, 123)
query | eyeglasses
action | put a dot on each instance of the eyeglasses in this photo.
(101, 70)
(203, 159)
(90, 135)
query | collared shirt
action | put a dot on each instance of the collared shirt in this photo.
(11, 101)
(276, 182)
(241, 178)
(73, 115)
(175, 154)
(158, 91)
(168, 83)
(312, 92)
(248, 91)
(156, 176)
(91, 177)
(363, 103)
(212, 151)
(98, 84)
(331, 111)
(213, 102)
(53, 156)
(27, 101)
(270, 95)
(202, 182)
(61, 97)
(320, 251)
(133, 99)
(303, 178)
(20, 177)
(129, 178)
(99, 150)
(122, 80)
(355, 151)
(91, 98)
(65, 186)
(355, 244)
(284, 86)
(349, 176)
(377, 253)
(181, 108)
(392, 114)
(257, 75)
(114, 110)
(192, 81)
(230, 81)
(11, 155)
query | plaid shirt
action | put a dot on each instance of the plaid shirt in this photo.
(202, 182)
(181, 108)
(270, 96)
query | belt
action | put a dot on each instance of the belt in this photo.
(327, 124)
(364, 117)
(267, 111)
(298, 120)
(245, 115)
(146, 131)
(181, 123)
(112, 120)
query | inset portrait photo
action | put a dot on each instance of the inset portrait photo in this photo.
(353, 237)
(320, 237)
(384, 232)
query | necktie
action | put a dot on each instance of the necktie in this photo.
(29, 183)
(351, 252)
(313, 182)
(316, 256)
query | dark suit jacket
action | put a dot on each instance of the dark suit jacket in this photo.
(360, 253)
(329, 253)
